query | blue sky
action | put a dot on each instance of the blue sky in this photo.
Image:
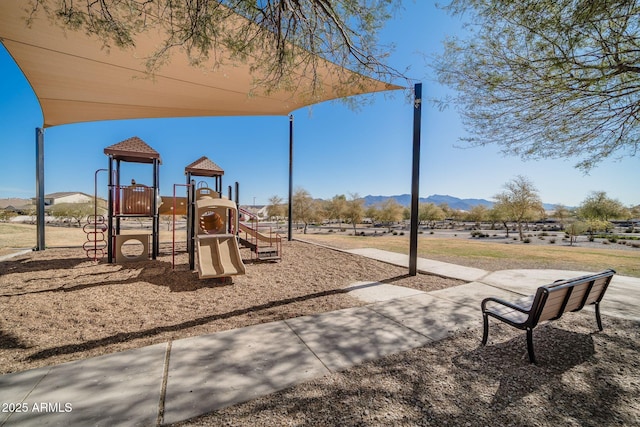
(337, 150)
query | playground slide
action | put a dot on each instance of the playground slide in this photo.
(272, 240)
(218, 256)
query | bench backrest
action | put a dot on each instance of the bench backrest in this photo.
(551, 301)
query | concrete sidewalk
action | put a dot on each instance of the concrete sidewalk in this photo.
(170, 382)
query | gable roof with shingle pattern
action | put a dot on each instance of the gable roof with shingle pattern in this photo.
(204, 167)
(134, 150)
(61, 194)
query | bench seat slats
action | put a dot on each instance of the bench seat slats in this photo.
(550, 302)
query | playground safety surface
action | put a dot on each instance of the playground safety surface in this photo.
(185, 378)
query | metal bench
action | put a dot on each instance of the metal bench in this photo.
(550, 302)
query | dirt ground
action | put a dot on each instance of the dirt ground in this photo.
(59, 306)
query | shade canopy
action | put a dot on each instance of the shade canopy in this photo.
(76, 80)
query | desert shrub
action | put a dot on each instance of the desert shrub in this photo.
(612, 239)
(331, 230)
(635, 245)
(431, 232)
(402, 233)
(395, 233)
(526, 240)
(605, 242)
(541, 238)
(552, 241)
(544, 233)
(478, 234)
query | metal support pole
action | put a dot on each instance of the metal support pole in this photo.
(415, 181)
(290, 214)
(40, 243)
(155, 235)
(191, 220)
(118, 197)
(110, 212)
(237, 194)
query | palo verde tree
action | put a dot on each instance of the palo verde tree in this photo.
(354, 210)
(281, 38)
(390, 212)
(548, 78)
(519, 202)
(430, 214)
(336, 207)
(598, 209)
(561, 213)
(276, 209)
(304, 207)
(478, 214)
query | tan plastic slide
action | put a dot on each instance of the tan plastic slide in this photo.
(218, 256)
(272, 240)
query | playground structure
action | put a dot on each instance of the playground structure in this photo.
(264, 246)
(213, 226)
(215, 243)
(134, 201)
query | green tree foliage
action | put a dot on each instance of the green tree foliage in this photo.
(354, 210)
(499, 213)
(336, 208)
(430, 214)
(305, 209)
(548, 78)
(598, 209)
(373, 213)
(290, 39)
(6, 215)
(72, 211)
(575, 229)
(390, 212)
(520, 202)
(561, 213)
(276, 209)
(478, 214)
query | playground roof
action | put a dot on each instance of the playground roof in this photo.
(77, 79)
(204, 167)
(132, 150)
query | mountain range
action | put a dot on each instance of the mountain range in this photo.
(438, 199)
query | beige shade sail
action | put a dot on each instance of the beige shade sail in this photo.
(76, 80)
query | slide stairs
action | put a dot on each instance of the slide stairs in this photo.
(263, 245)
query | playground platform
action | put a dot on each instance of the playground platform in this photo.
(182, 379)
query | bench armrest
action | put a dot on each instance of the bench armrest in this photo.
(503, 302)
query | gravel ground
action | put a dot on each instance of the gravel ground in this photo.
(56, 306)
(582, 379)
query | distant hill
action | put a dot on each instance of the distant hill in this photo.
(438, 199)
